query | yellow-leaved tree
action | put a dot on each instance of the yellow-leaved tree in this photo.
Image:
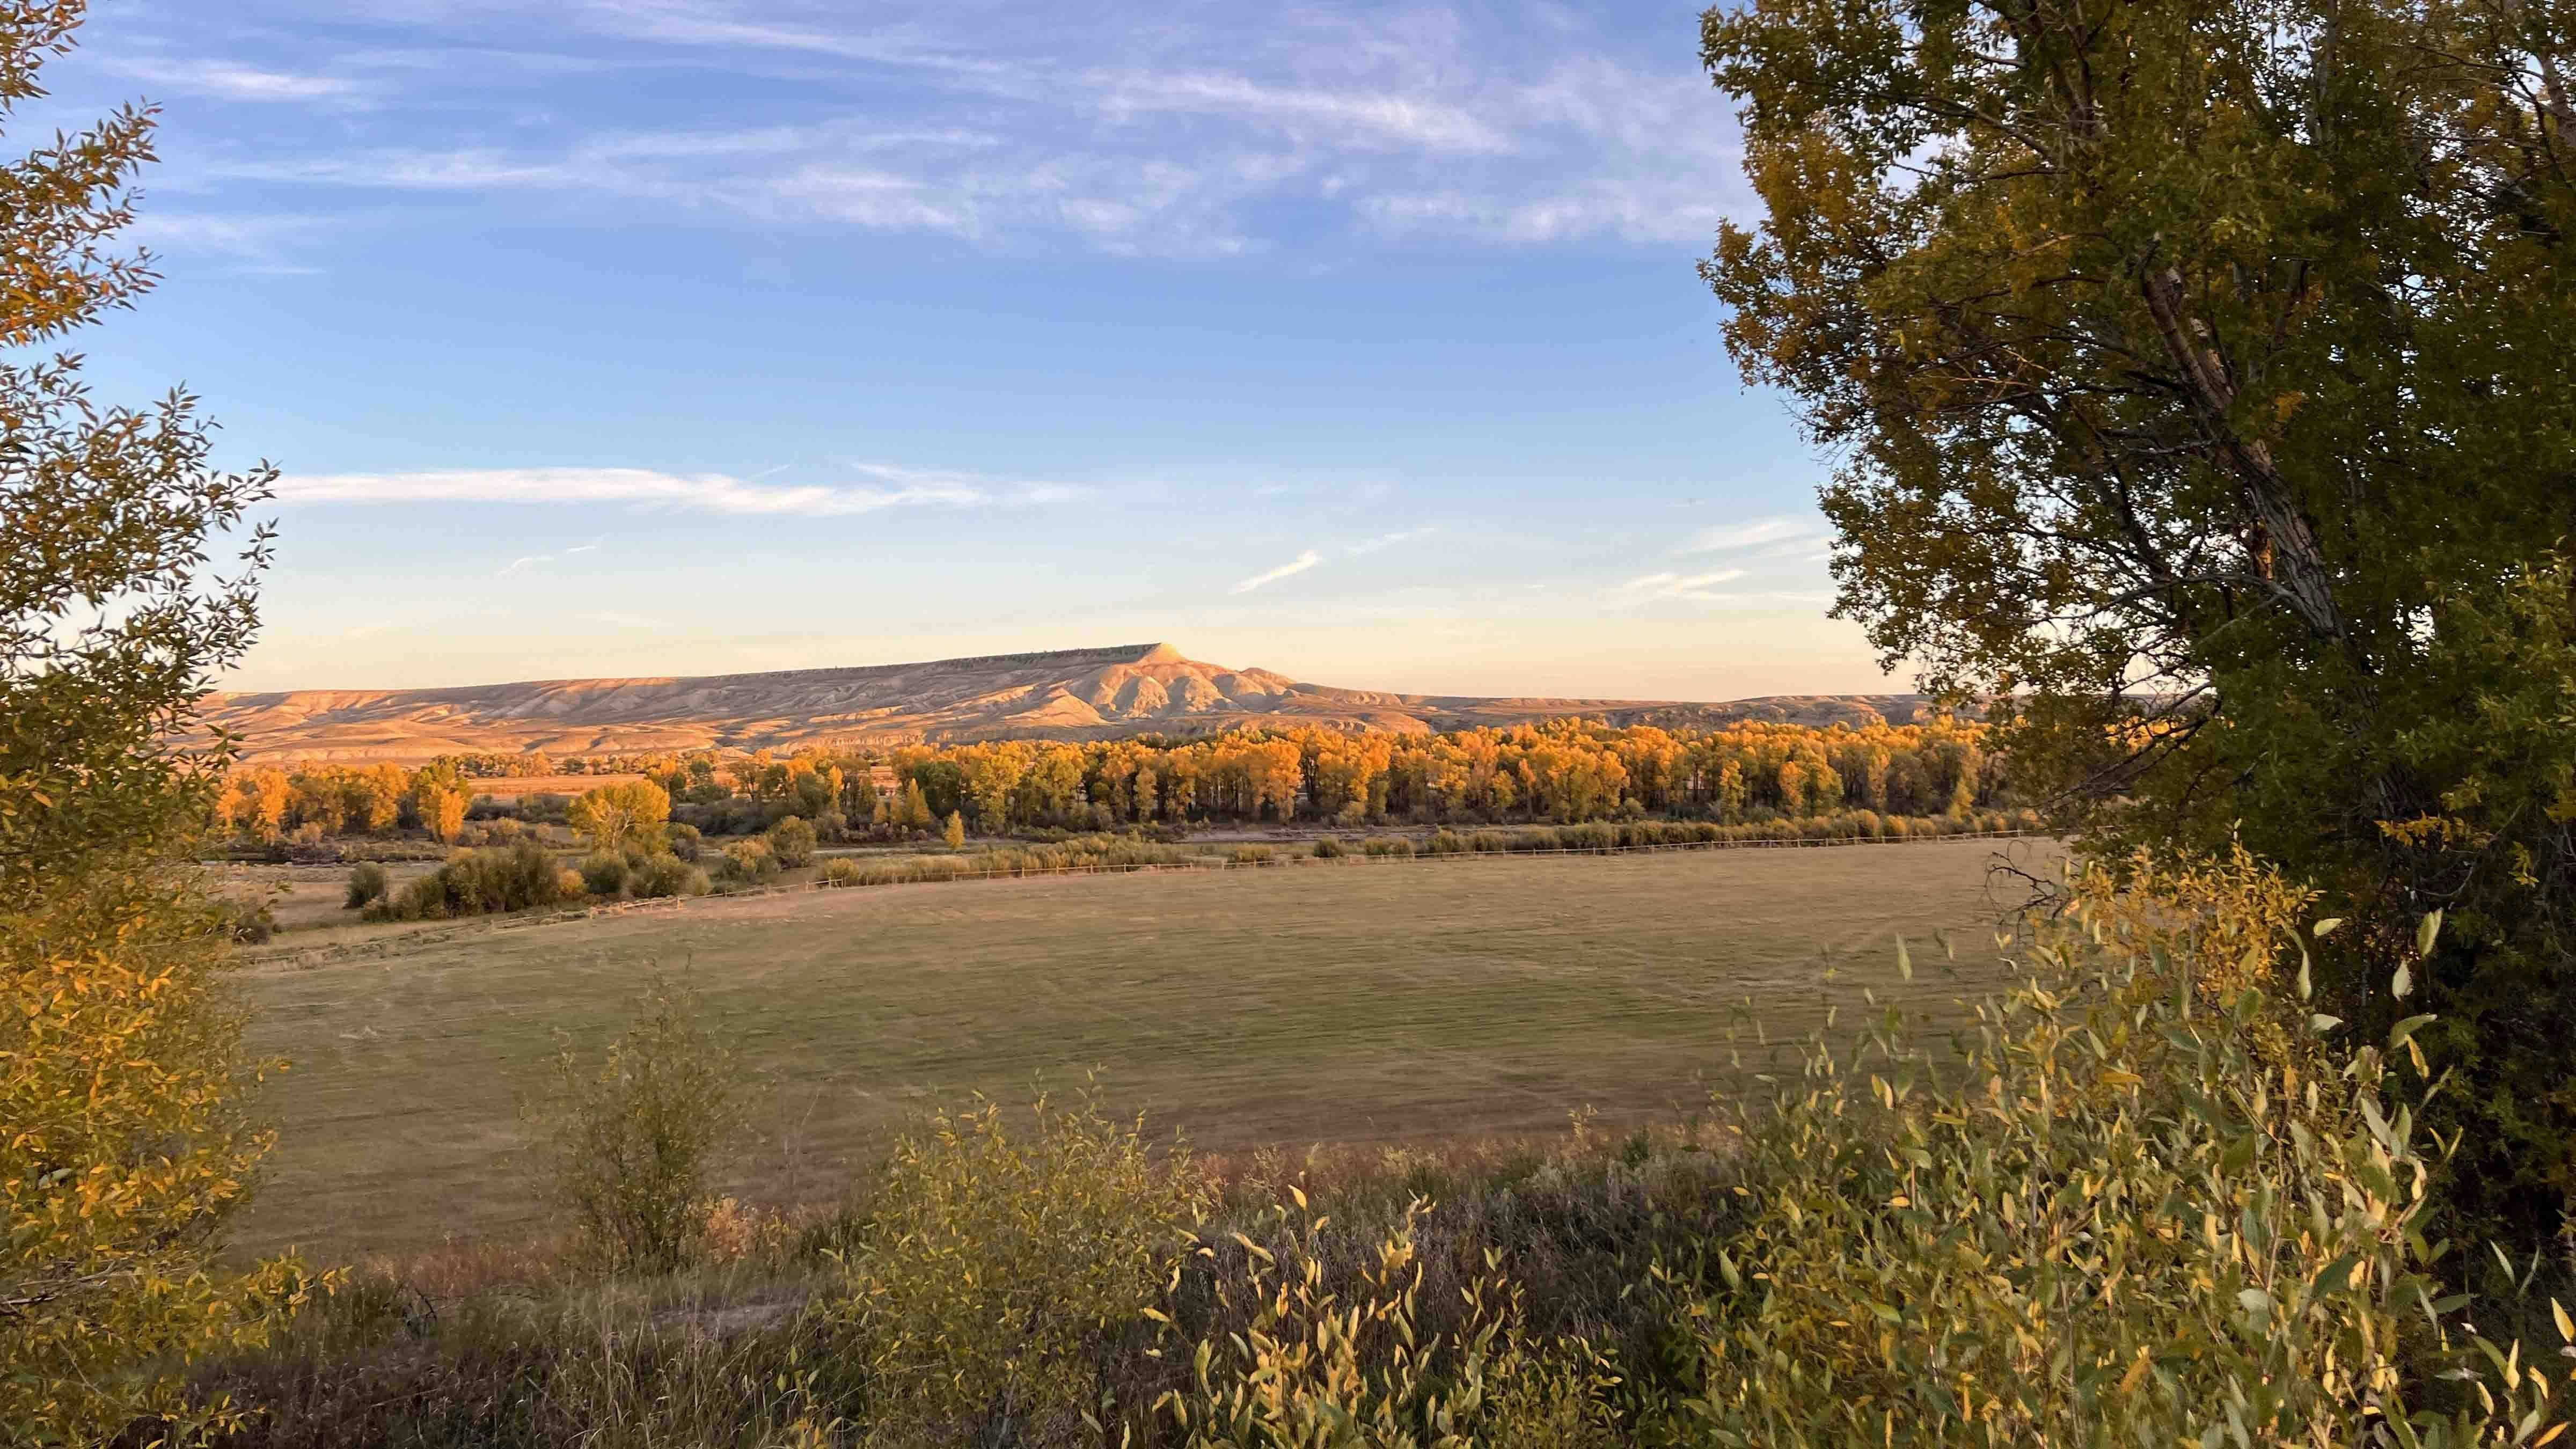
(630, 812)
(123, 1143)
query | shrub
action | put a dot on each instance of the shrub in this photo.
(842, 871)
(368, 884)
(1331, 1353)
(603, 874)
(633, 1139)
(791, 841)
(1253, 855)
(1591, 836)
(1387, 845)
(2216, 1231)
(666, 876)
(1000, 1266)
(514, 877)
(748, 862)
(955, 833)
(545, 809)
(245, 923)
(684, 840)
(1331, 848)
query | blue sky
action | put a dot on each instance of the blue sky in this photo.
(676, 336)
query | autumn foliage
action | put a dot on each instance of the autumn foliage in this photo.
(1560, 771)
(123, 1139)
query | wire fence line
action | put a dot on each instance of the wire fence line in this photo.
(1296, 856)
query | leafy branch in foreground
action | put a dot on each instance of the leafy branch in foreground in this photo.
(2161, 1204)
(125, 1142)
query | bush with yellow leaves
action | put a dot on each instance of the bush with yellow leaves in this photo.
(1325, 1359)
(2161, 1204)
(1005, 1265)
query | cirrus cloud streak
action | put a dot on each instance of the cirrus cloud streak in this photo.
(1297, 565)
(703, 492)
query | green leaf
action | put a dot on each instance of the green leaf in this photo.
(2337, 1277)
(2238, 1156)
(2328, 926)
(2403, 984)
(1904, 960)
(2426, 931)
(2323, 1022)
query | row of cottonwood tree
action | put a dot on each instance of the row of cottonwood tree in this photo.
(1565, 771)
(1568, 770)
(269, 802)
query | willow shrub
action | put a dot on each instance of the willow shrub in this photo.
(1001, 1273)
(1327, 1359)
(634, 1139)
(514, 877)
(2162, 1205)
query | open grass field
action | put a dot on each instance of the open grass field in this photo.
(305, 897)
(1338, 1002)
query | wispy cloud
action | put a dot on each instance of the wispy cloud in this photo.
(1193, 133)
(1698, 588)
(368, 630)
(1702, 588)
(623, 621)
(1385, 540)
(1361, 117)
(1297, 565)
(1733, 536)
(522, 565)
(704, 492)
(251, 243)
(230, 82)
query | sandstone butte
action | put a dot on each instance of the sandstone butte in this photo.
(1065, 694)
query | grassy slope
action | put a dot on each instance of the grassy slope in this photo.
(1336, 1002)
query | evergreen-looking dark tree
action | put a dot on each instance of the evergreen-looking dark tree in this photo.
(2199, 378)
(122, 1140)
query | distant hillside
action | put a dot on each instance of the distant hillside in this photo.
(1065, 694)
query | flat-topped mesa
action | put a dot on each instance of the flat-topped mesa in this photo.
(1071, 658)
(1060, 694)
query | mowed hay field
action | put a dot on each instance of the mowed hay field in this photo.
(1336, 1001)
